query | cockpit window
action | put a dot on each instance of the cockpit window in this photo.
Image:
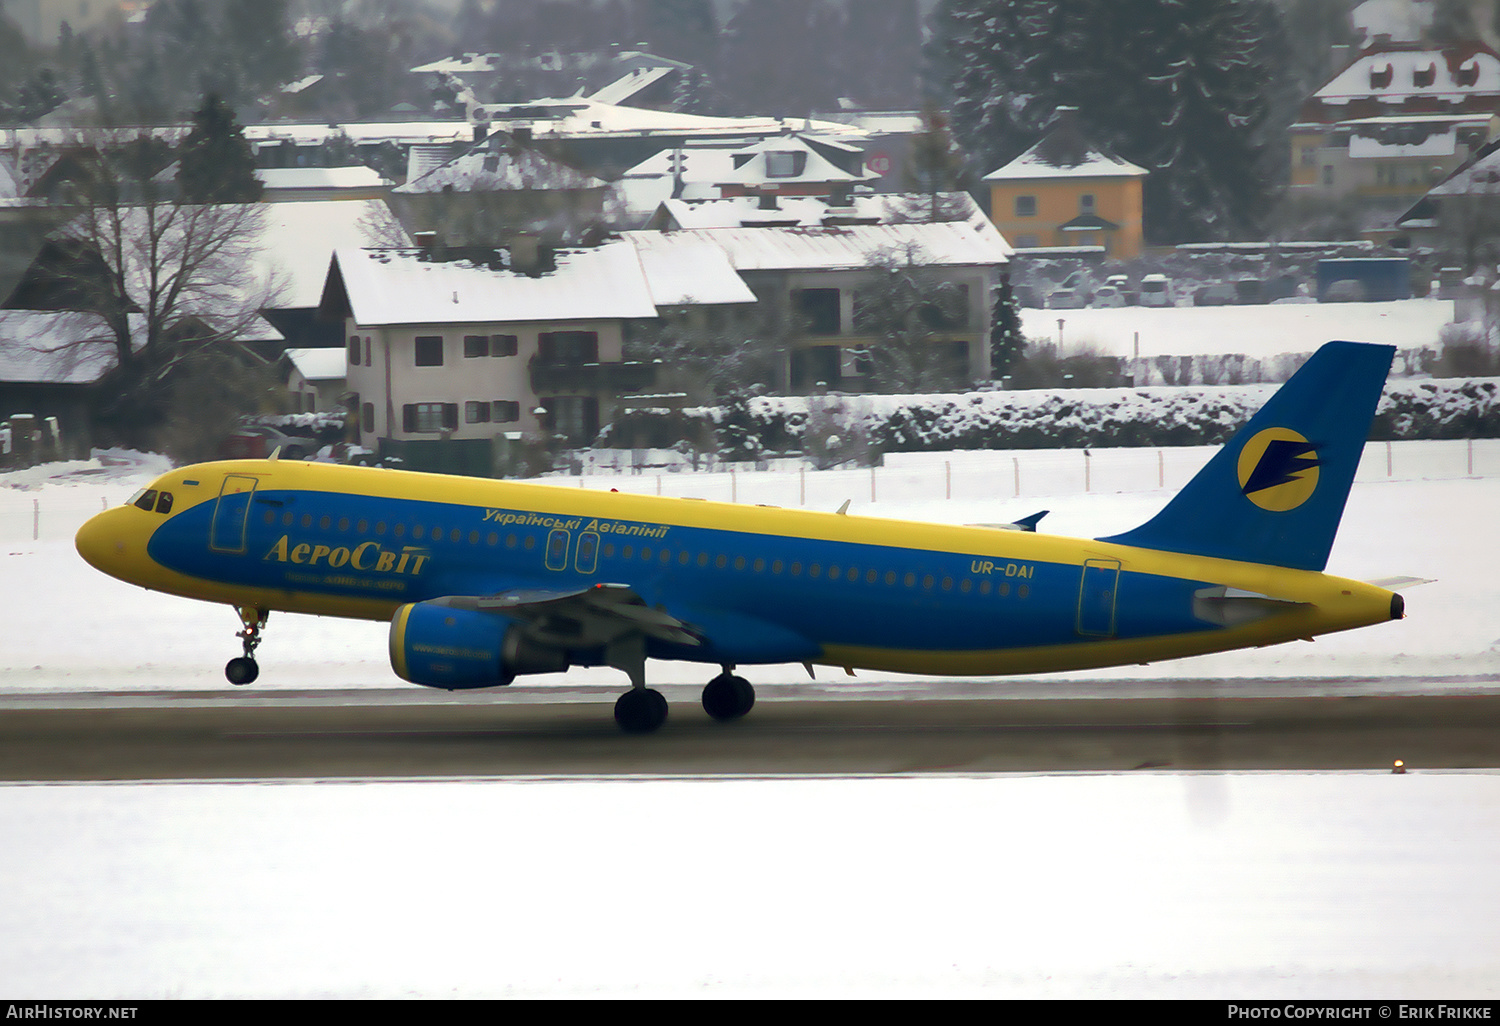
(164, 504)
(147, 500)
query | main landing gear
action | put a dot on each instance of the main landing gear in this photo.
(244, 670)
(642, 710)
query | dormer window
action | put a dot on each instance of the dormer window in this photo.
(1381, 78)
(1467, 76)
(784, 164)
(1422, 77)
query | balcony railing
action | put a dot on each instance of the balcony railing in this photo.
(611, 378)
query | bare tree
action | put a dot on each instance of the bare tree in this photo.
(174, 282)
(908, 315)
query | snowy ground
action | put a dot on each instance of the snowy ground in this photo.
(1211, 885)
(1255, 331)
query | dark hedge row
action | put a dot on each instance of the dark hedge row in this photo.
(1409, 409)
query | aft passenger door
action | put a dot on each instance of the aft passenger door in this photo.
(1096, 597)
(232, 513)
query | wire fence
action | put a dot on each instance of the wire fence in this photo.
(903, 478)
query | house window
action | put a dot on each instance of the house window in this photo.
(476, 413)
(819, 309)
(1309, 156)
(950, 312)
(353, 350)
(367, 418)
(1086, 203)
(574, 417)
(785, 164)
(568, 348)
(1025, 206)
(368, 361)
(433, 417)
(429, 350)
(1027, 241)
(504, 345)
(504, 411)
(1327, 174)
(476, 345)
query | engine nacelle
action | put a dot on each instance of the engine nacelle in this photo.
(442, 647)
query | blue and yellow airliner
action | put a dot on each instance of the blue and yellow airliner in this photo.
(484, 581)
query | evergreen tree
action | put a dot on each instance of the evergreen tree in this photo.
(1007, 343)
(1192, 90)
(216, 165)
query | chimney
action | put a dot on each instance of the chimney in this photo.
(525, 255)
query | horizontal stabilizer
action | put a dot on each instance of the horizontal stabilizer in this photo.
(1401, 583)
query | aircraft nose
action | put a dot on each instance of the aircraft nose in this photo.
(103, 542)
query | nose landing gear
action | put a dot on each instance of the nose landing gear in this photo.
(244, 669)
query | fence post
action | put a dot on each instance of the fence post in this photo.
(872, 484)
(1387, 459)
(1086, 470)
(36, 519)
(1161, 469)
(1017, 461)
(948, 478)
(1471, 457)
(734, 488)
(658, 484)
(802, 481)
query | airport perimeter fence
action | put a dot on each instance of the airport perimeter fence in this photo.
(904, 478)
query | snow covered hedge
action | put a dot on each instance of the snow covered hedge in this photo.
(1411, 408)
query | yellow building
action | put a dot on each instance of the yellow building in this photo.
(1064, 192)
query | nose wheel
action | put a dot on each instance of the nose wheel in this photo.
(244, 669)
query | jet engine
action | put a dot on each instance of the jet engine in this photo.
(445, 647)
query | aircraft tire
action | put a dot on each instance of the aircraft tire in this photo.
(728, 697)
(641, 710)
(242, 670)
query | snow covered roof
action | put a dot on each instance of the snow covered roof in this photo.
(386, 286)
(1480, 177)
(299, 238)
(292, 178)
(626, 86)
(695, 273)
(1395, 74)
(32, 346)
(320, 364)
(808, 211)
(1397, 20)
(843, 247)
(499, 165)
(787, 160)
(1064, 153)
(585, 117)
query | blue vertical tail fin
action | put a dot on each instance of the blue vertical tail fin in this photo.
(1274, 494)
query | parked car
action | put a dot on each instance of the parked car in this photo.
(1108, 296)
(1221, 294)
(1156, 290)
(257, 441)
(1066, 299)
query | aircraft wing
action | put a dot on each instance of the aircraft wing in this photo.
(581, 617)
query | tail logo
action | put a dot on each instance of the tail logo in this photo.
(1278, 469)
